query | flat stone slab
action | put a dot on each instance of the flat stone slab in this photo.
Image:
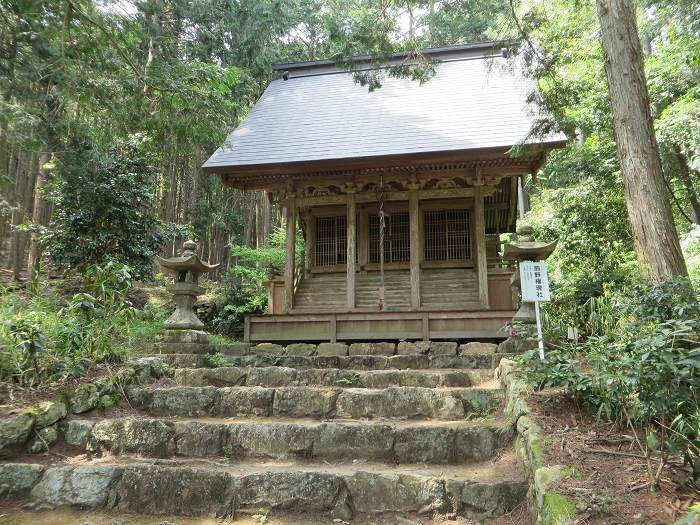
(236, 349)
(391, 442)
(316, 402)
(301, 349)
(182, 360)
(411, 348)
(182, 348)
(342, 491)
(386, 349)
(268, 348)
(272, 376)
(332, 349)
(478, 348)
(364, 362)
(377, 362)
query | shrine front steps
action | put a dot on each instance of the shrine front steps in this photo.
(317, 402)
(363, 491)
(319, 436)
(277, 376)
(389, 442)
(352, 362)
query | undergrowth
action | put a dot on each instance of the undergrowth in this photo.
(52, 333)
(638, 363)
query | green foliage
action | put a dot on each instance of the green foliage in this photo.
(241, 288)
(25, 333)
(692, 517)
(642, 368)
(348, 378)
(105, 207)
(262, 516)
(44, 337)
(589, 219)
(107, 401)
(597, 504)
(229, 451)
(478, 410)
(217, 360)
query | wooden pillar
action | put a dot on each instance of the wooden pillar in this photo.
(351, 244)
(480, 244)
(289, 258)
(363, 244)
(310, 243)
(415, 246)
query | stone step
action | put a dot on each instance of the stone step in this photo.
(274, 376)
(317, 402)
(353, 362)
(281, 438)
(198, 488)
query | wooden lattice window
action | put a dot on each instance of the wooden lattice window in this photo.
(447, 235)
(397, 238)
(331, 240)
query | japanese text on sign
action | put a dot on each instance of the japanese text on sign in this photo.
(534, 282)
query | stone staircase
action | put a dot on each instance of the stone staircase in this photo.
(369, 433)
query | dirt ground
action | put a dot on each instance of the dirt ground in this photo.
(609, 483)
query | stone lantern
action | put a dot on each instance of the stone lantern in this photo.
(183, 326)
(524, 248)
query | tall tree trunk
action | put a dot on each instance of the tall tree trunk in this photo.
(684, 175)
(267, 215)
(5, 186)
(259, 234)
(250, 227)
(25, 193)
(40, 217)
(262, 219)
(654, 232)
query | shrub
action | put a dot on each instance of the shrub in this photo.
(105, 206)
(241, 289)
(641, 368)
(46, 338)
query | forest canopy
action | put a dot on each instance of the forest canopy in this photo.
(84, 76)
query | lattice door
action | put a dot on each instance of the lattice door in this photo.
(331, 241)
(447, 235)
(397, 238)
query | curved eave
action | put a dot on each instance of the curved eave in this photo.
(534, 159)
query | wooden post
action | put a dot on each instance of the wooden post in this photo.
(480, 243)
(333, 328)
(289, 259)
(310, 244)
(414, 225)
(351, 243)
(363, 245)
(425, 327)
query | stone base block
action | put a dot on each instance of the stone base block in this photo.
(185, 336)
(181, 348)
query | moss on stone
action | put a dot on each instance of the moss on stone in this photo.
(556, 510)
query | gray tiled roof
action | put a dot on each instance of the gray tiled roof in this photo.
(469, 104)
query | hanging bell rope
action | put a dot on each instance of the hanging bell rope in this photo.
(382, 226)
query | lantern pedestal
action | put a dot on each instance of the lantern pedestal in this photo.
(184, 332)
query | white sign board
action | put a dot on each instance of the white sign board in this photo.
(534, 282)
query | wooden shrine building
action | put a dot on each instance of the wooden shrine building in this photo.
(433, 159)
